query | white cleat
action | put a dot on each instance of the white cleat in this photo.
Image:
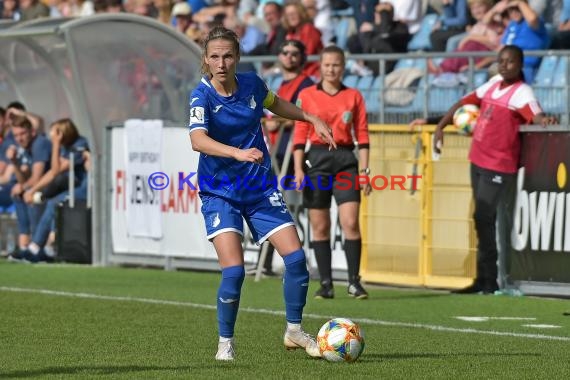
(226, 351)
(294, 339)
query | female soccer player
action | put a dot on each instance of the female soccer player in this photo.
(505, 103)
(343, 108)
(225, 127)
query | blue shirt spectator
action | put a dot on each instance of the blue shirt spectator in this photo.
(524, 36)
(76, 149)
(454, 15)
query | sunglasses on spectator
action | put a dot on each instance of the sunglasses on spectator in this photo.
(290, 52)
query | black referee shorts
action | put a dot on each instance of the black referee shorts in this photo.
(323, 180)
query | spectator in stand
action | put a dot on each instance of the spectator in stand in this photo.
(2, 124)
(561, 39)
(6, 139)
(115, 6)
(229, 8)
(140, 7)
(30, 159)
(300, 27)
(53, 187)
(485, 35)
(363, 11)
(249, 35)
(292, 58)
(553, 12)
(164, 10)
(272, 13)
(99, 6)
(452, 22)
(12, 110)
(182, 13)
(384, 36)
(525, 30)
(410, 12)
(11, 10)
(319, 11)
(32, 9)
(195, 5)
(538, 6)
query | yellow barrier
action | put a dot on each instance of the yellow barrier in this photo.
(426, 237)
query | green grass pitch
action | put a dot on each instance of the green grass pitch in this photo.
(64, 321)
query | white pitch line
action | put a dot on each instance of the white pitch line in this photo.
(280, 313)
(486, 319)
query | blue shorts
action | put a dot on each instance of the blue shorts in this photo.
(263, 218)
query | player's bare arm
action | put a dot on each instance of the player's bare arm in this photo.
(203, 143)
(290, 111)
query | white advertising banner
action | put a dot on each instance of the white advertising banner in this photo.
(184, 232)
(143, 147)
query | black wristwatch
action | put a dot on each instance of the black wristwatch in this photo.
(365, 171)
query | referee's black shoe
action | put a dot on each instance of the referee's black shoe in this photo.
(326, 291)
(477, 288)
(356, 290)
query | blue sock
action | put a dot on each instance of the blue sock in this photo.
(295, 285)
(228, 299)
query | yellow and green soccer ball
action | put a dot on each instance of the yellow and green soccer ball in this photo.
(465, 119)
(340, 340)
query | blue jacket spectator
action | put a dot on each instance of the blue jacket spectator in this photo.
(527, 31)
(30, 159)
(452, 22)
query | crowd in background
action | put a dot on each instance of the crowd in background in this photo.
(35, 164)
(262, 26)
(379, 26)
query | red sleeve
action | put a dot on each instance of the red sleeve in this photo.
(360, 124)
(302, 128)
(311, 38)
(471, 98)
(527, 113)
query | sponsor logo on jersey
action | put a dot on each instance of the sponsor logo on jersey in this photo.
(197, 115)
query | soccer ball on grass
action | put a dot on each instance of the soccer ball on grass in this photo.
(340, 340)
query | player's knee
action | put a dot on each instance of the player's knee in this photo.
(296, 264)
(232, 280)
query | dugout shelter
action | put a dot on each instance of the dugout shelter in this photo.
(98, 70)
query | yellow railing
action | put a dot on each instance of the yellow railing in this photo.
(426, 237)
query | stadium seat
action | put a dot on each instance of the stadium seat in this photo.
(420, 63)
(364, 83)
(348, 12)
(554, 97)
(454, 41)
(561, 72)
(416, 106)
(420, 40)
(350, 80)
(480, 77)
(543, 83)
(275, 83)
(544, 75)
(341, 30)
(372, 97)
(440, 99)
(364, 86)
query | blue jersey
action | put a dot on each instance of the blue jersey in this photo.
(76, 149)
(236, 121)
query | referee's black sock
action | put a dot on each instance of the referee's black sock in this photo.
(353, 250)
(323, 255)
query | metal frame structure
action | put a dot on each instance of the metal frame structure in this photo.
(76, 92)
